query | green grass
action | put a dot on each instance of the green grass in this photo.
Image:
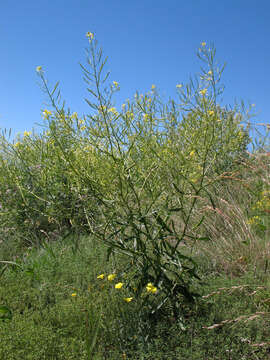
(49, 323)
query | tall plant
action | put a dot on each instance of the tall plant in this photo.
(153, 164)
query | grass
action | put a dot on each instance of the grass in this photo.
(49, 323)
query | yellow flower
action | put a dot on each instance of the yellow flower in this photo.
(203, 92)
(74, 294)
(128, 299)
(115, 83)
(151, 288)
(203, 43)
(210, 72)
(111, 277)
(27, 133)
(17, 144)
(90, 36)
(74, 116)
(211, 112)
(83, 128)
(192, 153)
(146, 116)
(46, 114)
(38, 69)
(130, 114)
(119, 285)
(101, 276)
(113, 111)
(153, 87)
(179, 86)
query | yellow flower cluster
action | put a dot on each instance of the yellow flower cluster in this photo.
(27, 133)
(74, 116)
(113, 111)
(90, 36)
(111, 277)
(203, 92)
(117, 286)
(46, 114)
(151, 288)
(130, 114)
(146, 117)
(254, 220)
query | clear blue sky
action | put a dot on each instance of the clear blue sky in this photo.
(147, 41)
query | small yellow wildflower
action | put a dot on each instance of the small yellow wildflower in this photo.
(113, 111)
(119, 285)
(130, 114)
(254, 220)
(151, 288)
(128, 299)
(90, 36)
(74, 294)
(111, 277)
(115, 83)
(74, 116)
(210, 72)
(211, 112)
(203, 43)
(101, 276)
(192, 153)
(179, 86)
(27, 133)
(38, 69)
(83, 127)
(17, 144)
(46, 114)
(153, 87)
(146, 116)
(203, 92)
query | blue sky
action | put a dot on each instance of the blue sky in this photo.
(147, 42)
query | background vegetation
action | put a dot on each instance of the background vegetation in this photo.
(139, 231)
